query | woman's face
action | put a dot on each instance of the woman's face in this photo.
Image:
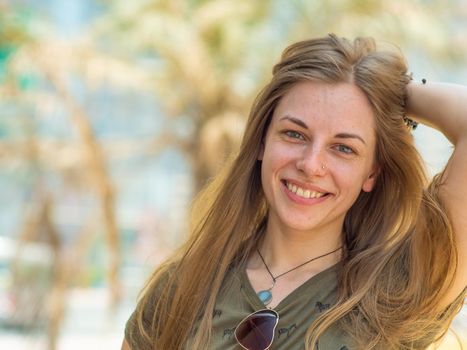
(318, 155)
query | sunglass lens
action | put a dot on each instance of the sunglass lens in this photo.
(256, 332)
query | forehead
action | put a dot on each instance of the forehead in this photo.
(341, 106)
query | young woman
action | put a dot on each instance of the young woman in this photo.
(323, 232)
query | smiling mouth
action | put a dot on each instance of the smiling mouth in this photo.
(302, 192)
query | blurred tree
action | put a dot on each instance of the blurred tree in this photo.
(39, 71)
(207, 58)
(13, 31)
(435, 29)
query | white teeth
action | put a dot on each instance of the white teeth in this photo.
(302, 192)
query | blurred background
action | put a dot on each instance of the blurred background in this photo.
(113, 114)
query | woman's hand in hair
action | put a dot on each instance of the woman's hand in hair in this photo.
(444, 107)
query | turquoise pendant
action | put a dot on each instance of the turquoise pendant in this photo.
(265, 296)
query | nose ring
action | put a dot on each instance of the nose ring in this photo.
(323, 167)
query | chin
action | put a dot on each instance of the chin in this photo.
(297, 226)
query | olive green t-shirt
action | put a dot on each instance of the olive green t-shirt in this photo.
(296, 313)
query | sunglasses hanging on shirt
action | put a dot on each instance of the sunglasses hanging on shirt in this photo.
(256, 331)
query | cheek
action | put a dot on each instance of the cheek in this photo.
(349, 179)
(274, 161)
(275, 157)
(269, 166)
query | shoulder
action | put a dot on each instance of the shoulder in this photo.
(139, 327)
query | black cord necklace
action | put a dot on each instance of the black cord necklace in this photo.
(266, 295)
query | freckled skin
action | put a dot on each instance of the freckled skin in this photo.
(294, 153)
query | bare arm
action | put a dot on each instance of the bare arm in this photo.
(444, 107)
(125, 345)
(441, 106)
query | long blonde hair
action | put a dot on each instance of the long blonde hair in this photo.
(400, 251)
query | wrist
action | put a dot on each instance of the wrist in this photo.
(411, 97)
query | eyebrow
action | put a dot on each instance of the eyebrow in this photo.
(345, 135)
(295, 120)
(342, 135)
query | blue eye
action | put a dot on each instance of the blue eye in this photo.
(345, 149)
(293, 134)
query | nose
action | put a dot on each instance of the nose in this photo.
(312, 161)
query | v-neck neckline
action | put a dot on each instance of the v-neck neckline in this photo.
(251, 294)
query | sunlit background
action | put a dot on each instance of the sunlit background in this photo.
(113, 114)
